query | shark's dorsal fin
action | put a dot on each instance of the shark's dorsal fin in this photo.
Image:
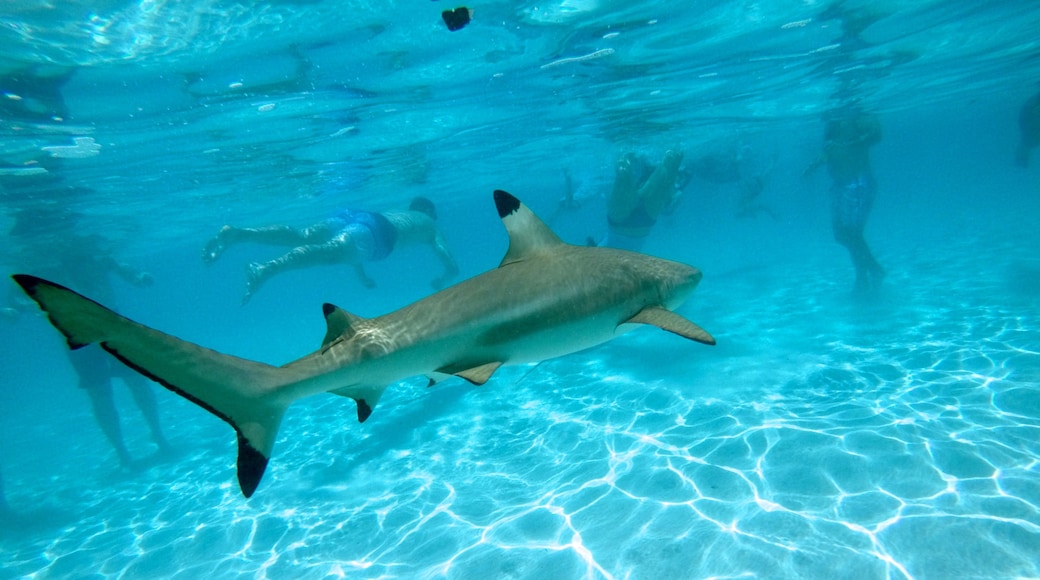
(527, 234)
(341, 325)
(672, 322)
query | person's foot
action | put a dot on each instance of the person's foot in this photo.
(670, 162)
(623, 173)
(254, 277)
(215, 247)
(125, 460)
(164, 446)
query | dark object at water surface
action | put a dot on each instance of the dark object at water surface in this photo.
(457, 19)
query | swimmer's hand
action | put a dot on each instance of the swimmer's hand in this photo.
(143, 279)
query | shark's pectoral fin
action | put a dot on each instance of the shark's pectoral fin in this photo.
(477, 375)
(672, 322)
(365, 397)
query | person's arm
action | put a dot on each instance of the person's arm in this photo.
(363, 276)
(130, 274)
(817, 163)
(451, 269)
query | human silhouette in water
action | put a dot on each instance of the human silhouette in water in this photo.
(848, 137)
(50, 242)
(348, 237)
(48, 239)
(1029, 130)
(641, 193)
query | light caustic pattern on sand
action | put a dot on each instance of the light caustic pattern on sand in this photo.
(893, 440)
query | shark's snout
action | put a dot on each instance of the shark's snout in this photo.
(681, 285)
(695, 277)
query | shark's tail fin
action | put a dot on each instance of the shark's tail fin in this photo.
(241, 392)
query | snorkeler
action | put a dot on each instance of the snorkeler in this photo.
(848, 137)
(640, 195)
(350, 236)
(1029, 126)
(48, 240)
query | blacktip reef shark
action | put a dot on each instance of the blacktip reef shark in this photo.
(546, 299)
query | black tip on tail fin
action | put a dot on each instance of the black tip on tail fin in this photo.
(251, 466)
(27, 282)
(32, 287)
(505, 203)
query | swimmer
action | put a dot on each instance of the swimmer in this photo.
(848, 138)
(641, 194)
(85, 261)
(349, 236)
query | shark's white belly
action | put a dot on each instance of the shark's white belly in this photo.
(472, 346)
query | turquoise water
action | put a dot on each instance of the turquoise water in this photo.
(826, 435)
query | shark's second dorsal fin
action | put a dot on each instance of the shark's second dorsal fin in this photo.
(527, 233)
(341, 324)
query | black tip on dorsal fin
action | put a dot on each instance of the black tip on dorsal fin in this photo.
(527, 234)
(339, 323)
(506, 203)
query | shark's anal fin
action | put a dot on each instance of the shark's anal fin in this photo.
(477, 375)
(672, 322)
(365, 397)
(364, 410)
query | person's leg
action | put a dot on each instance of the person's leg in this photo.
(108, 419)
(95, 378)
(869, 272)
(338, 250)
(624, 198)
(851, 205)
(659, 189)
(144, 396)
(853, 242)
(276, 235)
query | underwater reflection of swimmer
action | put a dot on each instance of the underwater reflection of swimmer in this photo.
(348, 237)
(34, 95)
(1029, 130)
(641, 193)
(49, 241)
(848, 136)
(849, 60)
